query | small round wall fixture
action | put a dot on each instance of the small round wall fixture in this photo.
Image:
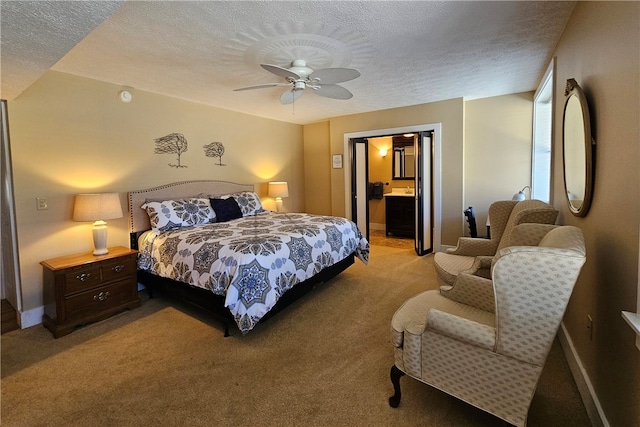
(125, 96)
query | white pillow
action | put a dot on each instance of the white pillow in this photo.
(171, 214)
(249, 202)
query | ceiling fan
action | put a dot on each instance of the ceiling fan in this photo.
(299, 77)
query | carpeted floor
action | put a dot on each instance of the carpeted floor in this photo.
(324, 361)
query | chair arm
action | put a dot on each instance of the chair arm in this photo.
(471, 290)
(461, 329)
(485, 262)
(473, 246)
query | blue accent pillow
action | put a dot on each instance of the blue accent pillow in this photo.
(226, 209)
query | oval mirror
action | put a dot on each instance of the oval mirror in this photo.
(577, 150)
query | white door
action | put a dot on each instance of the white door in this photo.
(360, 184)
(424, 192)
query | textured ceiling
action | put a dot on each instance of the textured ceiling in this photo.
(408, 53)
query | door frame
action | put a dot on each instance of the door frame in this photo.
(11, 285)
(437, 170)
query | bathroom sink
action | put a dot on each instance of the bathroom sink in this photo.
(401, 192)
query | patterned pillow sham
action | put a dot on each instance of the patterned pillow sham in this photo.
(249, 203)
(226, 209)
(172, 214)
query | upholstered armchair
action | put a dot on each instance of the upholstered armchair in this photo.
(487, 340)
(474, 255)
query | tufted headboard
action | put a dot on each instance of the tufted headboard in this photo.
(138, 218)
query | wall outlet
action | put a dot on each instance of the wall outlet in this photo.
(41, 203)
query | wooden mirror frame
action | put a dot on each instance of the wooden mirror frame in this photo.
(577, 150)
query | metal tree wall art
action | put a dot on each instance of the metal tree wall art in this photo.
(174, 143)
(215, 149)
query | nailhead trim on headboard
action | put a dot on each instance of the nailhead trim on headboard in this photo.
(138, 219)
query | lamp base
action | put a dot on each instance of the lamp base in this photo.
(100, 238)
(279, 204)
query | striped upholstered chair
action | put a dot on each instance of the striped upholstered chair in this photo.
(474, 255)
(487, 340)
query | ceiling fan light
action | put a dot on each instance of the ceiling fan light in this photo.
(290, 96)
(300, 77)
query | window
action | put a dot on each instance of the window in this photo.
(542, 131)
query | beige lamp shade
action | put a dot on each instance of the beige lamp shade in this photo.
(98, 207)
(278, 190)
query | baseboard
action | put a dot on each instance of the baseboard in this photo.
(376, 226)
(588, 394)
(31, 317)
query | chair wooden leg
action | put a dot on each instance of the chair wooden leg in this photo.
(395, 375)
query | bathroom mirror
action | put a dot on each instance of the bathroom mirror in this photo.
(577, 150)
(403, 157)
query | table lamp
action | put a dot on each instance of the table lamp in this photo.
(520, 194)
(97, 208)
(278, 190)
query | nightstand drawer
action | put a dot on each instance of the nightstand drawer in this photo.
(118, 269)
(84, 288)
(80, 279)
(98, 300)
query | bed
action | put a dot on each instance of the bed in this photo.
(211, 243)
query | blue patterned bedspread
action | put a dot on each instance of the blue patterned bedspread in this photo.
(253, 260)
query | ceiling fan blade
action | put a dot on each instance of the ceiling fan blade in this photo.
(335, 75)
(279, 71)
(290, 96)
(333, 91)
(262, 86)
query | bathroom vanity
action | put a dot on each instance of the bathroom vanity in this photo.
(400, 212)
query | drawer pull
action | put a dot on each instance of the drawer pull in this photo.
(101, 296)
(83, 277)
(118, 268)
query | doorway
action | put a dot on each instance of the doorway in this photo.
(423, 158)
(9, 265)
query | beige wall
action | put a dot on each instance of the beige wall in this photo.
(600, 49)
(497, 151)
(450, 114)
(72, 135)
(317, 160)
(476, 178)
(380, 171)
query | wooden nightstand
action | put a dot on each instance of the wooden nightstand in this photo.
(84, 288)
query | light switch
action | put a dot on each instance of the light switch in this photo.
(41, 203)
